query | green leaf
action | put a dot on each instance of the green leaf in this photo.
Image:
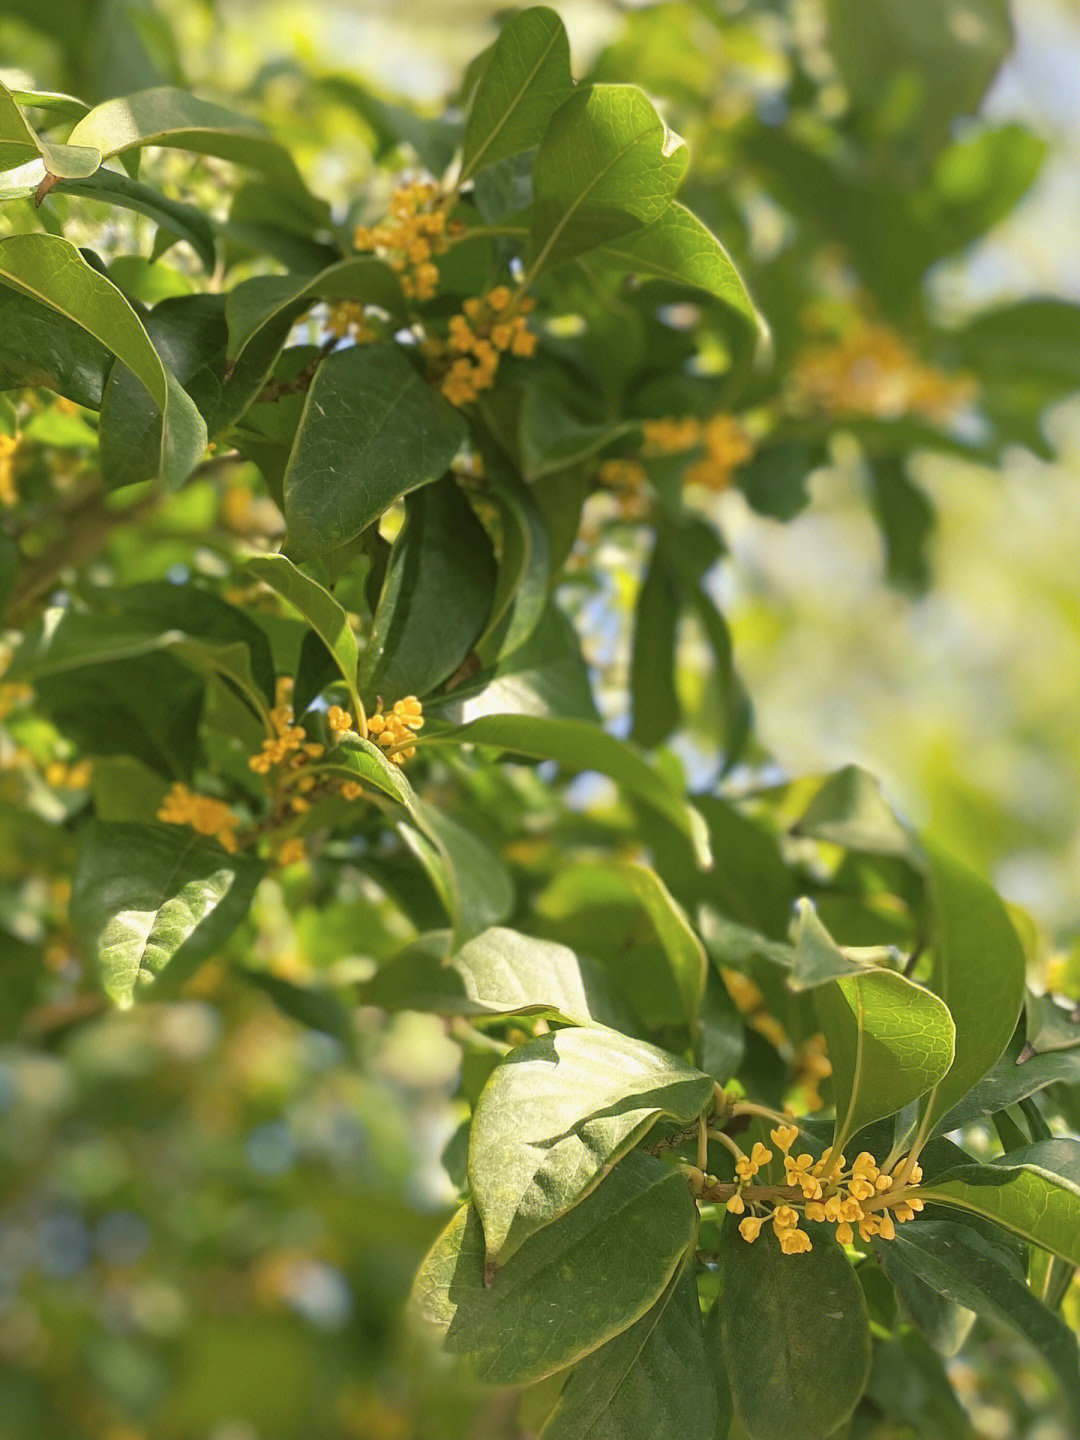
(371, 430)
(654, 699)
(498, 972)
(268, 300)
(1034, 1192)
(147, 897)
(816, 958)
(978, 970)
(318, 607)
(912, 70)
(957, 1262)
(188, 333)
(44, 348)
(554, 1118)
(526, 78)
(314, 1007)
(53, 271)
(472, 881)
(121, 624)
(685, 952)
(436, 596)
(795, 1334)
(578, 745)
(889, 1041)
(521, 591)
(679, 248)
(1009, 1082)
(571, 1287)
(652, 1380)
(20, 142)
(606, 166)
(850, 810)
(170, 117)
(185, 222)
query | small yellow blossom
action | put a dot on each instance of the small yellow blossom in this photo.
(736, 1205)
(785, 1217)
(9, 494)
(750, 1228)
(338, 719)
(784, 1136)
(291, 851)
(795, 1242)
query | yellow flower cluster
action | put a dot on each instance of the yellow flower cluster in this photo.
(289, 743)
(488, 327)
(726, 446)
(871, 371)
(397, 727)
(9, 494)
(69, 777)
(348, 317)
(417, 230)
(205, 815)
(830, 1192)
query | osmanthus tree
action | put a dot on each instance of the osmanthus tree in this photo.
(751, 1070)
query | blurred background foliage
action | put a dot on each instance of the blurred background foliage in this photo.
(211, 1214)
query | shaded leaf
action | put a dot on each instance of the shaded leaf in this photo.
(371, 430)
(795, 1334)
(652, 1380)
(622, 1245)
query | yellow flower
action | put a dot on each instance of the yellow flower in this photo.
(338, 719)
(784, 1136)
(291, 851)
(844, 1233)
(750, 1228)
(795, 1242)
(736, 1205)
(785, 1217)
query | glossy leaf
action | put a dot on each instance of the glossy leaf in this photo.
(580, 746)
(525, 80)
(1010, 1081)
(622, 1245)
(371, 430)
(1034, 1192)
(147, 897)
(652, 1380)
(889, 1042)
(436, 595)
(978, 970)
(606, 166)
(53, 271)
(43, 347)
(958, 1263)
(685, 952)
(850, 810)
(679, 248)
(521, 592)
(318, 607)
(557, 1114)
(795, 1334)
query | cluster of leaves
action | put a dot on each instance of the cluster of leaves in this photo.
(268, 439)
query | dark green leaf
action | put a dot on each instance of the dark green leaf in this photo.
(436, 596)
(956, 1262)
(265, 300)
(652, 1380)
(145, 897)
(44, 348)
(185, 222)
(52, 270)
(795, 1334)
(554, 1118)
(525, 80)
(371, 431)
(619, 1248)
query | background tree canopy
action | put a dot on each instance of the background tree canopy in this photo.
(538, 787)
